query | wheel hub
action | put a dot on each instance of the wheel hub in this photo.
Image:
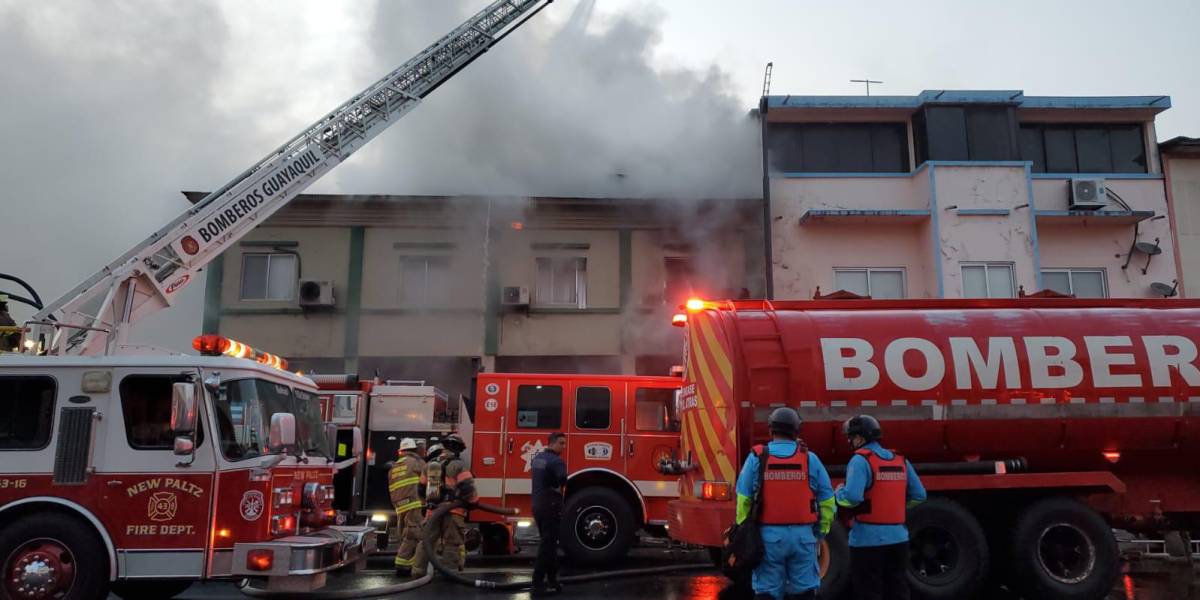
(934, 553)
(1066, 553)
(38, 570)
(596, 527)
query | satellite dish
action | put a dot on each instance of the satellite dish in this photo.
(1167, 291)
(1148, 248)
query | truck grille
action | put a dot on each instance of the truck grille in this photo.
(74, 443)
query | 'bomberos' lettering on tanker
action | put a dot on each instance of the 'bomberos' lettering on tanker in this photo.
(1051, 362)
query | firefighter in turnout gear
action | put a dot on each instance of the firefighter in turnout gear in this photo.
(404, 482)
(447, 478)
(797, 510)
(880, 486)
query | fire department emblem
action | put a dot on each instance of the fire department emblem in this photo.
(252, 505)
(491, 404)
(162, 506)
(598, 451)
(530, 450)
(492, 389)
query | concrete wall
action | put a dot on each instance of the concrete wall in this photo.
(324, 255)
(1184, 179)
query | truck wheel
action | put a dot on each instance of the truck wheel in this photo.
(834, 561)
(1062, 549)
(52, 556)
(948, 551)
(597, 526)
(149, 590)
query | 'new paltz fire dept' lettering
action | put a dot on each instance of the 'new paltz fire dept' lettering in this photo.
(167, 483)
(1119, 361)
(248, 204)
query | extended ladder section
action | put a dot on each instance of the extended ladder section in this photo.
(93, 318)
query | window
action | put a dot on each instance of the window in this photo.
(876, 283)
(655, 410)
(539, 406)
(1088, 148)
(146, 406)
(561, 282)
(345, 407)
(967, 133)
(1083, 283)
(268, 276)
(26, 412)
(677, 286)
(839, 147)
(592, 407)
(244, 408)
(990, 280)
(424, 280)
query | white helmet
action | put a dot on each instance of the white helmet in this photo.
(407, 444)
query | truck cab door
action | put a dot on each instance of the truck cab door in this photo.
(535, 410)
(156, 504)
(595, 432)
(652, 433)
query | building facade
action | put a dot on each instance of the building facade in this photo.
(965, 194)
(437, 288)
(1181, 165)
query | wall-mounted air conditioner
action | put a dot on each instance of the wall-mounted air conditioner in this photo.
(1088, 194)
(515, 295)
(316, 294)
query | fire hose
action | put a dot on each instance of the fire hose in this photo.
(429, 531)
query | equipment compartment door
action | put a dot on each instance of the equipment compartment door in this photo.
(652, 434)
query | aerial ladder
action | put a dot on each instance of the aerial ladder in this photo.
(95, 316)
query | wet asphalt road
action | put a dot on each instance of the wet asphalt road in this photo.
(692, 585)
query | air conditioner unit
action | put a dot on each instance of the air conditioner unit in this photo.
(514, 296)
(1088, 194)
(315, 293)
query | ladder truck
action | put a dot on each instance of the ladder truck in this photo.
(143, 474)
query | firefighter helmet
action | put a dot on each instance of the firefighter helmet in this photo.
(784, 421)
(433, 452)
(454, 443)
(865, 425)
(408, 444)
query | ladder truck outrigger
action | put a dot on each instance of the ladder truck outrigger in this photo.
(145, 473)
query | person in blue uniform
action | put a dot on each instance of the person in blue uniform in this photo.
(797, 511)
(549, 474)
(880, 486)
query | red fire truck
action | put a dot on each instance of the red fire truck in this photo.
(619, 429)
(156, 471)
(1036, 425)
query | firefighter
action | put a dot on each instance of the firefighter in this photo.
(880, 486)
(447, 478)
(796, 514)
(404, 481)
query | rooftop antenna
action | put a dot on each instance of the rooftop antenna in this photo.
(866, 81)
(767, 79)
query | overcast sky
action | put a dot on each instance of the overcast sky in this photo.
(110, 109)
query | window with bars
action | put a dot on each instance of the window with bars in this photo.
(873, 282)
(1082, 283)
(268, 276)
(988, 280)
(424, 280)
(561, 282)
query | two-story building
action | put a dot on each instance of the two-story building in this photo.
(965, 194)
(1181, 166)
(436, 288)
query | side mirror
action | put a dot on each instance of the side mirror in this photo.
(184, 446)
(283, 432)
(183, 408)
(331, 431)
(358, 442)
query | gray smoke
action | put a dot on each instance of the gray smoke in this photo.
(559, 110)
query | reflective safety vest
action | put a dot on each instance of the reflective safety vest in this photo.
(886, 496)
(786, 495)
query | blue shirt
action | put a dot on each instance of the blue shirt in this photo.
(858, 474)
(818, 482)
(548, 472)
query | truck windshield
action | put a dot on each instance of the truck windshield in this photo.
(244, 416)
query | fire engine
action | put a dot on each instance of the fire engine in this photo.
(1036, 425)
(85, 495)
(619, 429)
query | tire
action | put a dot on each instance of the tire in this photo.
(948, 551)
(835, 579)
(150, 590)
(1062, 549)
(597, 526)
(54, 540)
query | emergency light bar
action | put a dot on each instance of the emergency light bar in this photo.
(219, 345)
